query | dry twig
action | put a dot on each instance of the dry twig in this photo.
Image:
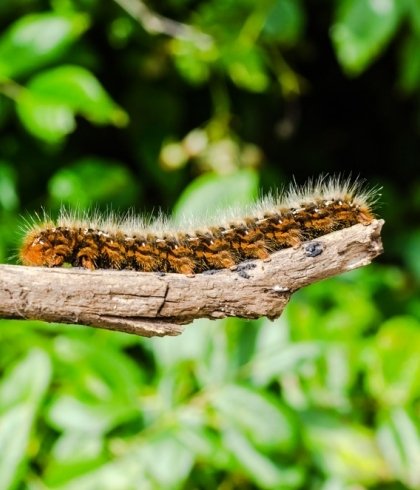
(159, 304)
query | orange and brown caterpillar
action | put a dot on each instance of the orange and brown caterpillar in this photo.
(272, 223)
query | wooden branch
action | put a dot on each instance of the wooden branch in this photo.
(158, 304)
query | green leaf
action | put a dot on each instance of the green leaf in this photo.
(203, 441)
(264, 472)
(274, 362)
(309, 320)
(409, 75)
(93, 180)
(38, 39)
(73, 454)
(21, 392)
(167, 461)
(68, 413)
(414, 15)
(285, 21)
(210, 193)
(191, 346)
(9, 199)
(393, 361)
(246, 67)
(81, 91)
(159, 461)
(15, 427)
(44, 118)
(224, 19)
(346, 451)
(193, 60)
(399, 440)
(104, 395)
(119, 474)
(49, 104)
(27, 382)
(362, 29)
(99, 379)
(265, 421)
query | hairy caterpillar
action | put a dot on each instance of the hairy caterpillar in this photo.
(272, 223)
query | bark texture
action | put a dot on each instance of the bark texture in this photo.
(159, 304)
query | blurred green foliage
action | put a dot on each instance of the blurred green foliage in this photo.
(191, 110)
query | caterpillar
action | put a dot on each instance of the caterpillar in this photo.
(274, 222)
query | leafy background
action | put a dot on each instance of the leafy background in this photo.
(189, 106)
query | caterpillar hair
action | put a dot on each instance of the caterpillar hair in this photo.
(274, 222)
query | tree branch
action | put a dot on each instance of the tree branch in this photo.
(158, 304)
(154, 23)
